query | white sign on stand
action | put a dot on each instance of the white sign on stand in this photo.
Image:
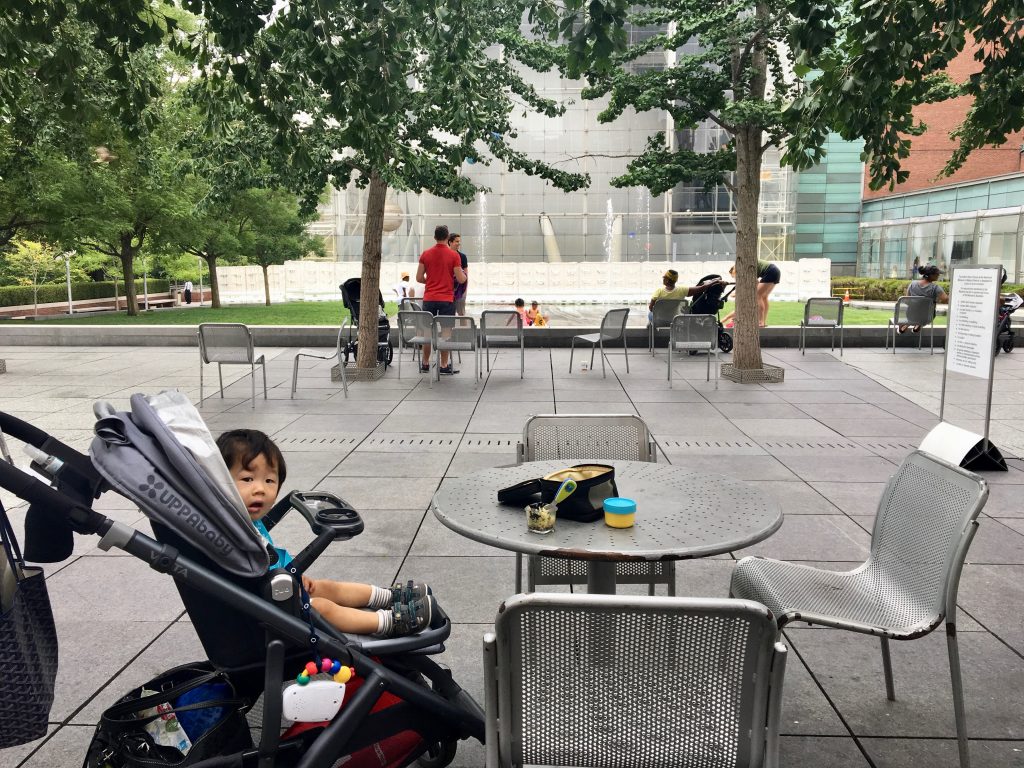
(974, 295)
(970, 351)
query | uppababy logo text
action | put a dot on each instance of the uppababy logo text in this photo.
(158, 491)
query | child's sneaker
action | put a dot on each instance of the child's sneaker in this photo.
(411, 618)
(411, 590)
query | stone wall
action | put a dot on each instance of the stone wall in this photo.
(570, 282)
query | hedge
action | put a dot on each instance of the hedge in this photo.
(21, 295)
(876, 289)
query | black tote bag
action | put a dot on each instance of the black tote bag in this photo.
(28, 645)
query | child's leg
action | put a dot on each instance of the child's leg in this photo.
(343, 593)
(347, 619)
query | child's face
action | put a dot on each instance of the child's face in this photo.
(257, 484)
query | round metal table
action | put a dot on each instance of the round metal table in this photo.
(680, 515)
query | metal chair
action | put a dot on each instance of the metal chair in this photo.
(662, 314)
(229, 344)
(925, 522)
(912, 310)
(502, 327)
(589, 437)
(410, 305)
(337, 355)
(455, 333)
(694, 333)
(414, 330)
(613, 327)
(826, 312)
(609, 680)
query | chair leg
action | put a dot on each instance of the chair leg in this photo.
(522, 359)
(890, 688)
(487, 355)
(840, 341)
(669, 355)
(650, 338)
(625, 349)
(252, 381)
(802, 349)
(958, 695)
(295, 375)
(519, 573)
(400, 350)
(263, 365)
(572, 350)
(201, 382)
(604, 375)
(707, 377)
(592, 348)
(220, 377)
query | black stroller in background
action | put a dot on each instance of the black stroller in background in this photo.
(255, 624)
(710, 303)
(350, 297)
(1008, 304)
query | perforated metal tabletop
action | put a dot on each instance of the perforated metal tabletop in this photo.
(680, 515)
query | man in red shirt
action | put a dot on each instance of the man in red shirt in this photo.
(438, 265)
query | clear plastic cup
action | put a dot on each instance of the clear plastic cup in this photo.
(540, 517)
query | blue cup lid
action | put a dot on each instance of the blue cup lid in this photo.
(619, 506)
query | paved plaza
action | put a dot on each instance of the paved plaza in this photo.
(823, 443)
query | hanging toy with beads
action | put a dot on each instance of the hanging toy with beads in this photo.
(317, 701)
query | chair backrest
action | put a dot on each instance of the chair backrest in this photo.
(694, 332)
(414, 326)
(411, 305)
(587, 437)
(226, 343)
(614, 323)
(633, 682)
(503, 324)
(665, 309)
(914, 310)
(826, 311)
(454, 331)
(923, 527)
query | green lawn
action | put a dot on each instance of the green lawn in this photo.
(329, 313)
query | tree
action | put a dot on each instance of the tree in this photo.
(35, 263)
(364, 93)
(736, 80)
(876, 61)
(280, 235)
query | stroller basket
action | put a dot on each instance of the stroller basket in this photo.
(251, 620)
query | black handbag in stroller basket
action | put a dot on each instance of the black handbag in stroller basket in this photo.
(710, 303)
(350, 297)
(253, 620)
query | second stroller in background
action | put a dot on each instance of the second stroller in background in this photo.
(710, 302)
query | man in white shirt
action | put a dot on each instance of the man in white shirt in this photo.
(403, 289)
(188, 291)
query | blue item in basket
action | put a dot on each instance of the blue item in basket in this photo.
(197, 722)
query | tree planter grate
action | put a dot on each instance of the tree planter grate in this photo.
(3, 366)
(769, 374)
(352, 373)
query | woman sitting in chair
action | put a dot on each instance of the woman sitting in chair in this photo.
(926, 287)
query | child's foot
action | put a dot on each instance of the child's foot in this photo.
(424, 368)
(410, 618)
(408, 592)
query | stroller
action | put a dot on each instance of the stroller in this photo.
(1008, 304)
(256, 626)
(710, 303)
(350, 297)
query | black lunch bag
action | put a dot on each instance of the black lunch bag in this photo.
(594, 484)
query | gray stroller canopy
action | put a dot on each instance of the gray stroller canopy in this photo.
(161, 456)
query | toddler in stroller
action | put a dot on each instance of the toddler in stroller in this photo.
(258, 469)
(710, 302)
(256, 624)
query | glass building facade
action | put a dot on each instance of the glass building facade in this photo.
(971, 223)
(522, 218)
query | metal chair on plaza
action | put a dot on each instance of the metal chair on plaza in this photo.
(693, 334)
(826, 313)
(414, 329)
(339, 356)
(912, 311)
(455, 333)
(663, 312)
(589, 437)
(925, 522)
(502, 327)
(615, 680)
(229, 344)
(613, 327)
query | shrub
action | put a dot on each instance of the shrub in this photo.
(21, 295)
(875, 289)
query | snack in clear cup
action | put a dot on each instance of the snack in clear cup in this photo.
(619, 512)
(540, 517)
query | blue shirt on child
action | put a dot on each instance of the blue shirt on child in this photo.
(283, 558)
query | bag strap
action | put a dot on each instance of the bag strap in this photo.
(148, 702)
(10, 544)
(113, 722)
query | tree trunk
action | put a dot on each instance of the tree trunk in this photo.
(127, 257)
(266, 282)
(747, 351)
(211, 265)
(370, 283)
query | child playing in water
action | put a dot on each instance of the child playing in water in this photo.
(536, 318)
(258, 469)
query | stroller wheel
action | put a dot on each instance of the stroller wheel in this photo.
(1008, 345)
(725, 341)
(438, 754)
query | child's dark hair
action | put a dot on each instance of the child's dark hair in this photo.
(242, 446)
(930, 271)
(520, 303)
